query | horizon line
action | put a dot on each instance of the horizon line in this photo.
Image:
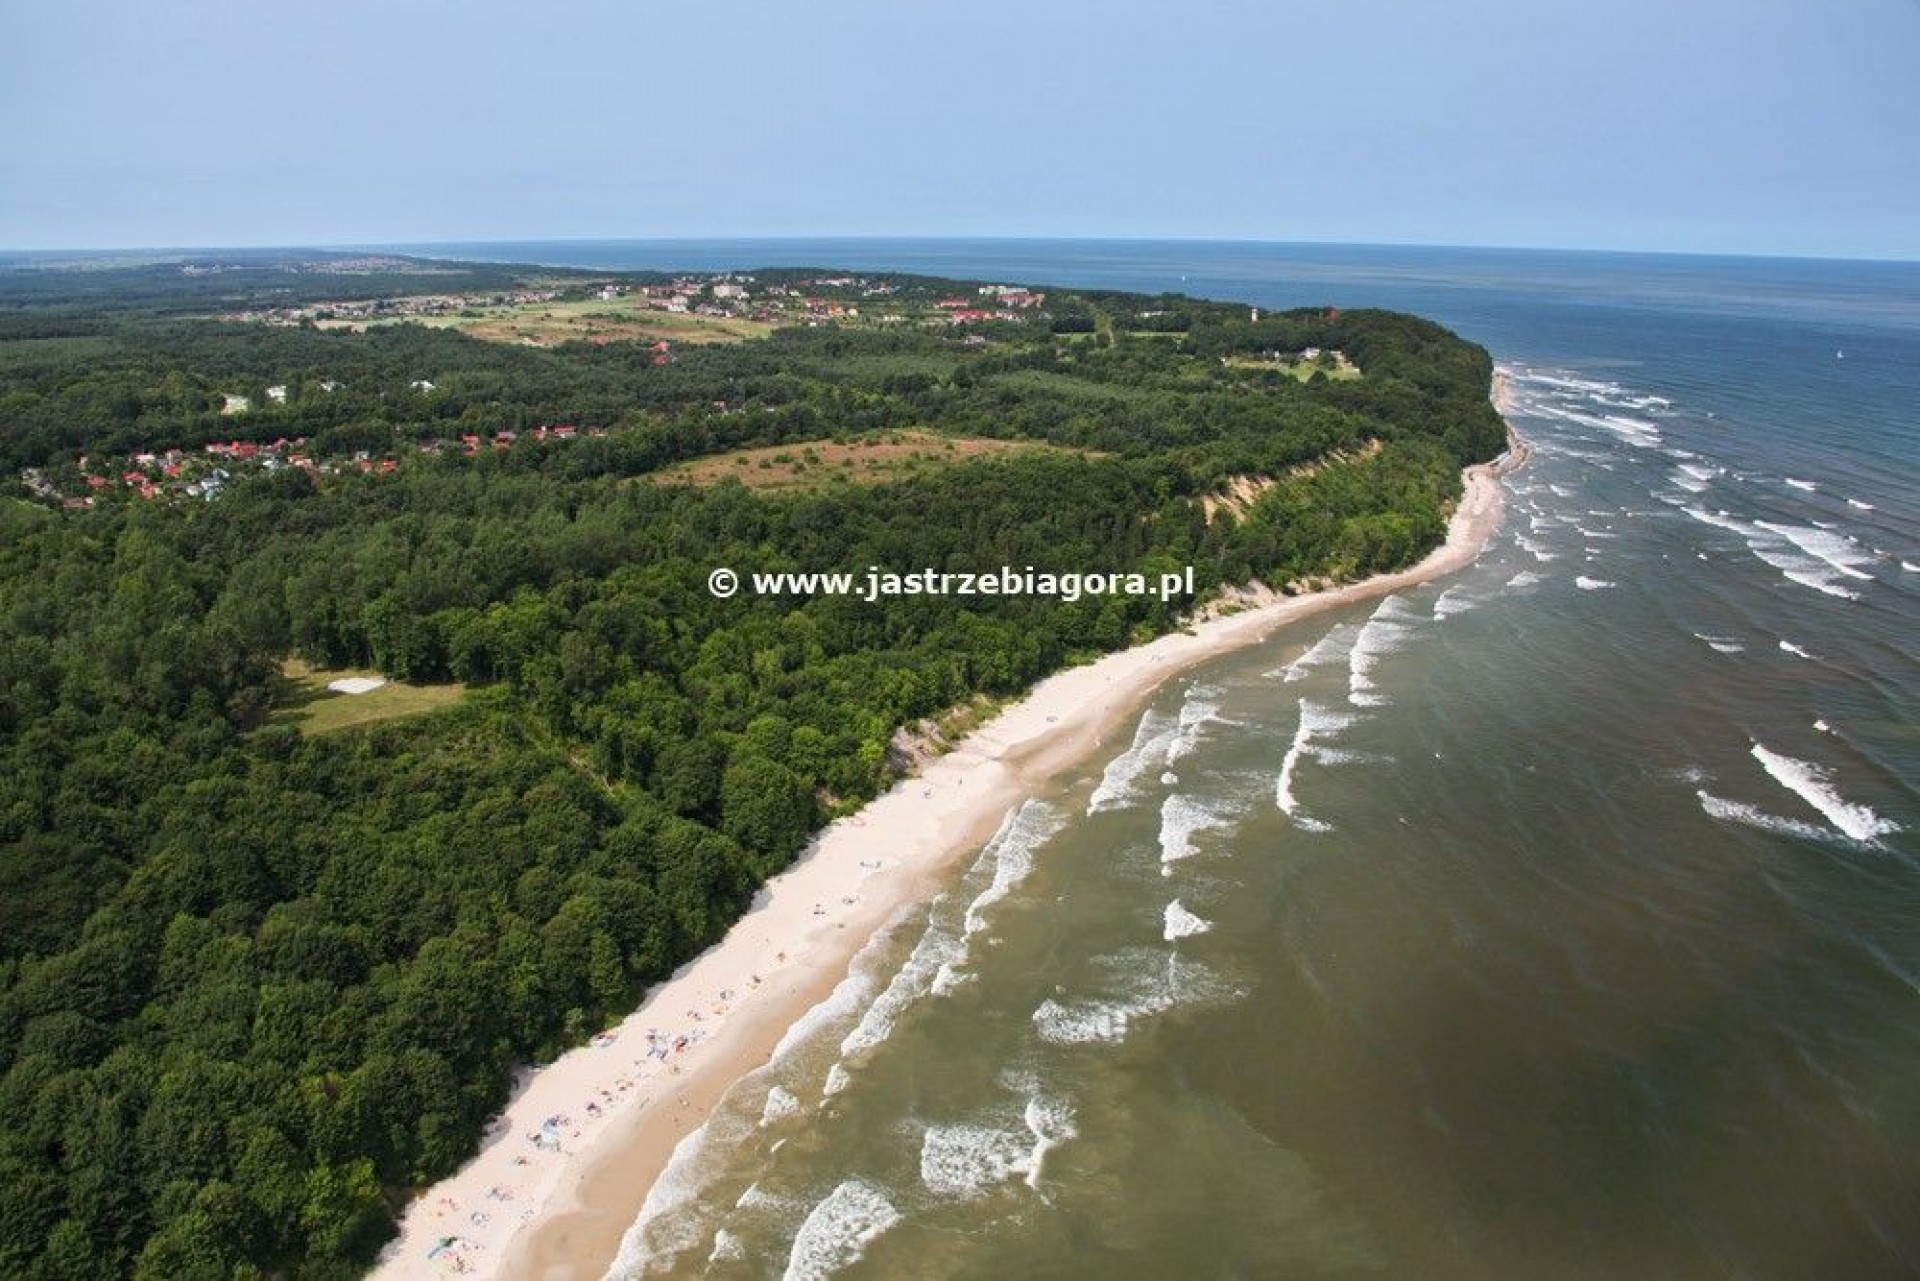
(916, 238)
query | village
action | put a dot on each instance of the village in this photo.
(726, 297)
(692, 308)
(205, 473)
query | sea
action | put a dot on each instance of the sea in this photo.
(1556, 919)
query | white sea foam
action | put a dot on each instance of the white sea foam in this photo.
(1855, 502)
(1118, 785)
(1822, 726)
(1525, 578)
(1683, 481)
(850, 995)
(1807, 485)
(657, 1232)
(837, 1080)
(1050, 1120)
(1181, 819)
(1082, 1022)
(1794, 649)
(1200, 708)
(1316, 723)
(1586, 584)
(839, 1230)
(1453, 601)
(938, 949)
(1737, 812)
(1567, 382)
(1811, 784)
(781, 1104)
(1382, 633)
(1836, 549)
(1807, 555)
(1638, 432)
(966, 1160)
(1012, 848)
(727, 1248)
(1147, 982)
(1909, 567)
(1333, 647)
(934, 965)
(1179, 923)
(1721, 644)
(1535, 549)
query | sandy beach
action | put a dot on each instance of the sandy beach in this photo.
(565, 1170)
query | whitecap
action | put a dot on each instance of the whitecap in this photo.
(1332, 647)
(1196, 713)
(727, 1248)
(1794, 649)
(1835, 549)
(1535, 549)
(1082, 1022)
(1856, 503)
(839, 1230)
(1315, 723)
(1012, 849)
(1144, 981)
(1179, 923)
(1383, 632)
(848, 996)
(1811, 784)
(1181, 819)
(966, 1160)
(1050, 1120)
(1586, 584)
(1452, 601)
(1807, 485)
(1738, 812)
(1809, 556)
(1119, 782)
(781, 1103)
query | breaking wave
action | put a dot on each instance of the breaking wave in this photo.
(1181, 819)
(1384, 632)
(1179, 923)
(838, 1231)
(1119, 783)
(1810, 783)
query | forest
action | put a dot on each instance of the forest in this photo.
(258, 984)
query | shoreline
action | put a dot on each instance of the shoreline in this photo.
(562, 1176)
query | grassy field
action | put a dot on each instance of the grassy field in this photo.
(1341, 370)
(306, 703)
(874, 460)
(16, 352)
(1047, 381)
(881, 365)
(548, 324)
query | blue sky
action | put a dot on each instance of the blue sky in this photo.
(1736, 126)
